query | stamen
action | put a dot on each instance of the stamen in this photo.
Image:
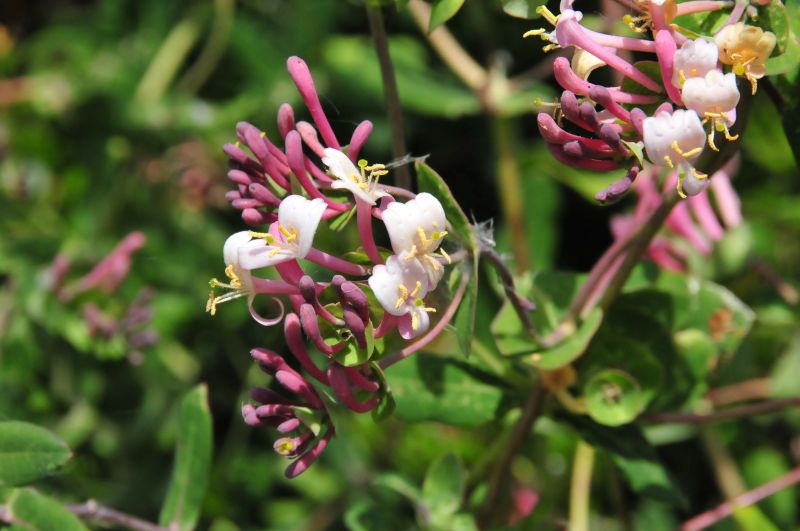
(668, 162)
(266, 236)
(417, 289)
(446, 256)
(547, 15)
(414, 321)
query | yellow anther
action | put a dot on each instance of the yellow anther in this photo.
(434, 262)
(417, 289)
(269, 238)
(262, 135)
(285, 447)
(711, 140)
(414, 321)
(403, 291)
(238, 144)
(290, 235)
(682, 76)
(211, 305)
(534, 33)
(698, 174)
(412, 253)
(446, 256)
(668, 162)
(679, 188)
(422, 236)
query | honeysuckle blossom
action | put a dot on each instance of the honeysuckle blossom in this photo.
(676, 140)
(362, 181)
(713, 97)
(746, 48)
(694, 59)
(416, 229)
(288, 239)
(400, 287)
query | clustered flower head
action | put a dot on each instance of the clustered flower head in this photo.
(674, 113)
(286, 195)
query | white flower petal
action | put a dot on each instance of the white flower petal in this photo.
(404, 220)
(664, 129)
(257, 254)
(230, 251)
(302, 215)
(386, 280)
(714, 93)
(349, 176)
(695, 58)
(415, 316)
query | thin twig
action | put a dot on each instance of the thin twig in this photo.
(759, 408)
(499, 475)
(522, 306)
(91, 510)
(725, 509)
(757, 388)
(786, 291)
(376, 27)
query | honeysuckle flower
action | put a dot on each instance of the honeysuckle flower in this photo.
(289, 239)
(675, 140)
(694, 59)
(746, 48)
(416, 229)
(713, 97)
(400, 287)
(362, 181)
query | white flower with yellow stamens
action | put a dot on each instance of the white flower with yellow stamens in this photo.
(400, 286)
(694, 59)
(362, 181)
(714, 98)
(676, 140)
(746, 48)
(290, 239)
(239, 280)
(416, 229)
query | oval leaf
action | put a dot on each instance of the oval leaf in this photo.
(431, 182)
(442, 11)
(33, 511)
(28, 452)
(443, 488)
(522, 8)
(187, 488)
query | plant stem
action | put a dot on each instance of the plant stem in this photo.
(91, 510)
(759, 408)
(725, 509)
(499, 475)
(402, 175)
(211, 54)
(510, 188)
(581, 487)
(521, 305)
(739, 392)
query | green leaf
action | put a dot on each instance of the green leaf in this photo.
(443, 488)
(351, 355)
(522, 8)
(187, 488)
(633, 455)
(310, 418)
(652, 70)
(464, 320)
(387, 405)
(430, 388)
(430, 181)
(442, 11)
(572, 347)
(28, 453)
(613, 397)
(33, 511)
(340, 221)
(422, 89)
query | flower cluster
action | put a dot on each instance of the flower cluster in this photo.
(331, 328)
(691, 96)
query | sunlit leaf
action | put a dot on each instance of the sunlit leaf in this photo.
(190, 474)
(33, 511)
(28, 453)
(442, 11)
(522, 8)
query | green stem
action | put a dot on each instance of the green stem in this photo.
(510, 184)
(581, 487)
(168, 59)
(498, 478)
(402, 175)
(212, 52)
